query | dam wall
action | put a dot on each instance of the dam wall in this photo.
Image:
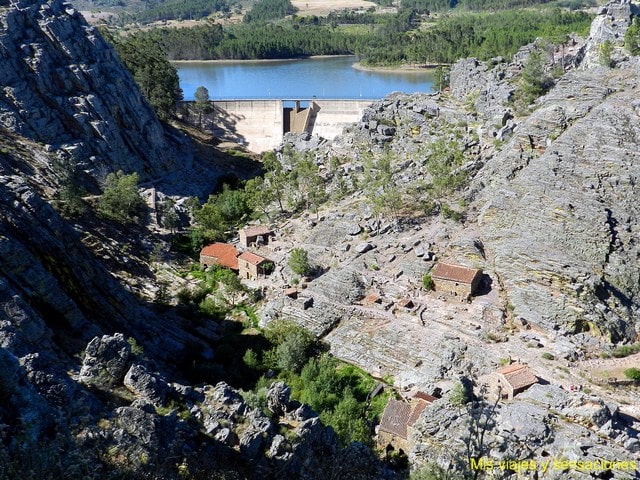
(333, 115)
(261, 124)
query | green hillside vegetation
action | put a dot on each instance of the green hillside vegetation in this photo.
(182, 10)
(147, 61)
(392, 39)
(266, 10)
(487, 35)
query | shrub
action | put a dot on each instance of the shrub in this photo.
(625, 350)
(427, 282)
(299, 262)
(120, 199)
(548, 356)
(459, 395)
(632, 374)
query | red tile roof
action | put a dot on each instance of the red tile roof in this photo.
(398, 415)
(518, 375)
(395, 417)
(454, 273)
(425, 396)
(252, 258)
(257, 230)
(224, 253)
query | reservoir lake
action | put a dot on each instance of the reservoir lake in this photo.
(318, 77)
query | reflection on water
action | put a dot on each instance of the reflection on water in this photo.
(325, 77)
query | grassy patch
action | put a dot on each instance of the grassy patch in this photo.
(625, 350)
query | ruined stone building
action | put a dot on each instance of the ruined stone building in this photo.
(398, 419)
(456, 280)
(258, 235)
(223, 254)
(251, 266)
(512, 380)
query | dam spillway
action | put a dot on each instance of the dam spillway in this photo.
(260, 124)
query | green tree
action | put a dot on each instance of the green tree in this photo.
(441, 78)
(232, 285)
(202, 102)
(265, 10)
(69, 199)
(222, 212)
(251, 360)
(348, 420)
(532, 80)
(427, 282)
(293, 346)
(168, 215)
(121, 199)
(294, 352)
(259, 195)
(632, 37)
(275, 178)
(306, 183)
(146, 59)
(299, 262)
(605, 51)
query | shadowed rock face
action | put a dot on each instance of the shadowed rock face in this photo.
(61, 84)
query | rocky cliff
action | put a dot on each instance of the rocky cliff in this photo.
(77, 399)
(64, 86)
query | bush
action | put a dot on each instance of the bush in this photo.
(427, 282)
(625, 350)
(120, 199)
(548, 356)
(459, 395)
(299, 262)
(632, 374)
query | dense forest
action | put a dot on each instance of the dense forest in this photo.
(254, 41)
(181, 10)
(266, 10)
(392, 39)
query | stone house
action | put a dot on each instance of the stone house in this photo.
(511, 380)
(251, 266)
(398, 418)
(456, 280)
(258, 235)
(223, 254)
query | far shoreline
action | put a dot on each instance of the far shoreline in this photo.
(265, 60)
(395, 69)
(404, 68)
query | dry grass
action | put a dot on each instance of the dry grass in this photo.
(323, 7)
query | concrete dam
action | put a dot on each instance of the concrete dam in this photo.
(261, 124)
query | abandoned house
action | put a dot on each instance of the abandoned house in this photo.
(223, 254)
(397, 421)
(258, 235)
(456, 279)
(512, 380)
(251, 266)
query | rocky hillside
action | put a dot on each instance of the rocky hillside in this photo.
(548, 212)
(93, 378)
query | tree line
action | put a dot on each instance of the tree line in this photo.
(266, 10)
(181, 10)
(393, 39)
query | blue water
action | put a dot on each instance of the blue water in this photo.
(323, 77)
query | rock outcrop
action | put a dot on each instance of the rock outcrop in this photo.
(534, 428)
(556, 208)
(64, 86)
